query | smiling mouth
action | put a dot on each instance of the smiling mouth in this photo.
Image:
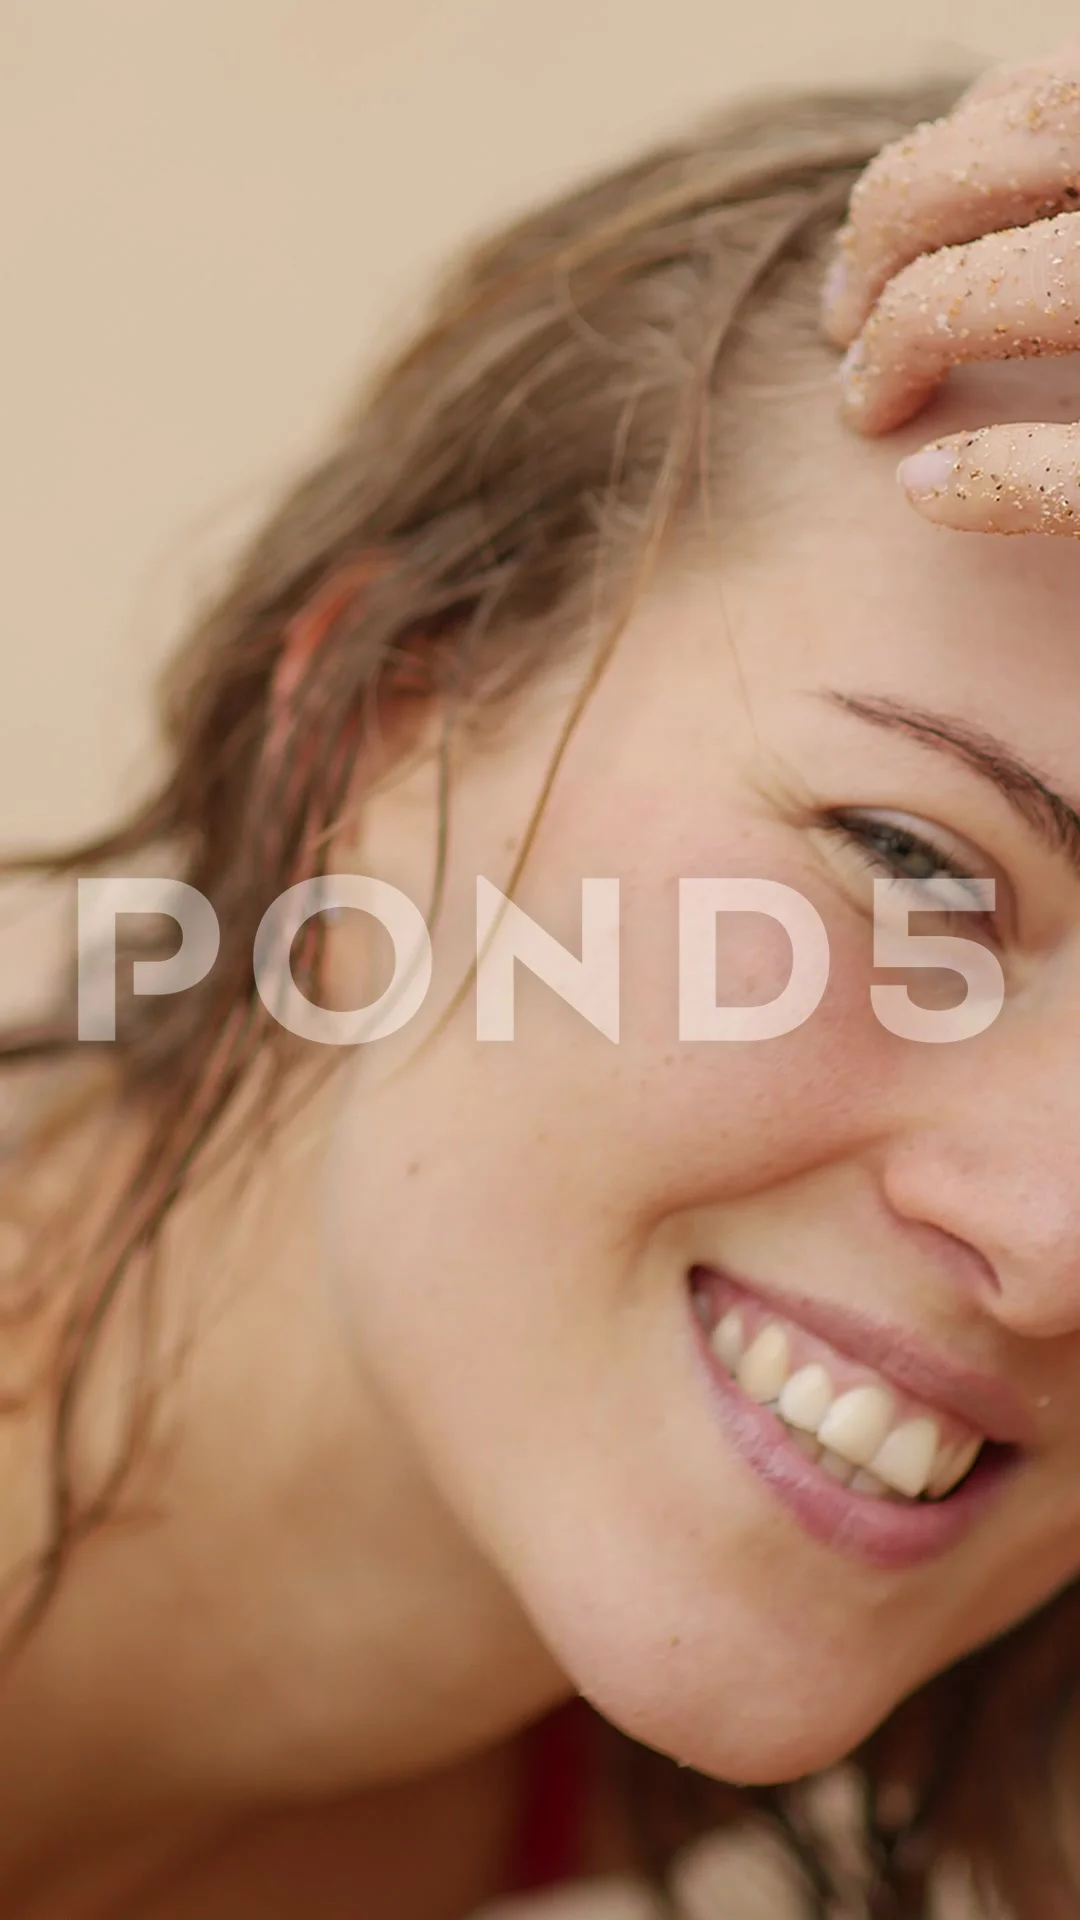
(856, 1456)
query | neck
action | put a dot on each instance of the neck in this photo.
(292, 1612)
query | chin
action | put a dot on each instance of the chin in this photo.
(749, 1735)
(738, 1697)
(771, 1748)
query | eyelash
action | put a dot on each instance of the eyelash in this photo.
(863, 834)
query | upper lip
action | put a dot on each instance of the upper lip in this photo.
(981, 1400)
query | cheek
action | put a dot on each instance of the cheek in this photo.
(562, 1140)
(720, 1118)
(502, 1194)
(495, 1203)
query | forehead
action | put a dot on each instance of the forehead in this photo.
(841, 581)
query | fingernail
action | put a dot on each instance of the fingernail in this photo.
(928, 471)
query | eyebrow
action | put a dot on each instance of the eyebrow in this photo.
(1053, 818)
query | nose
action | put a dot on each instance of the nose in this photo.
(997, 1169)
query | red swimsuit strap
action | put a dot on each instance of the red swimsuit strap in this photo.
(558, 1775)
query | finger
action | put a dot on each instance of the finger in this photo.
(1010, 296)
(1001, 162)
(1062, 64)
(1020, 478)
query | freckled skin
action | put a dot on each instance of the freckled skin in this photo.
(543, 1367)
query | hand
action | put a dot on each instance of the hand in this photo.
(962, 245)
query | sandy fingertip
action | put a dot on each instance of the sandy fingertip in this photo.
(1017, 477)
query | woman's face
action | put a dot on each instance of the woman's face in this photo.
(518, 1222)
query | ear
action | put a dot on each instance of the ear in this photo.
(309, 628)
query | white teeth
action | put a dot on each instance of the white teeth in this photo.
(951, 1465)
(905, 1458)
(864, 1482)
(766, 1363)
(836, 1468)
(805, 1399)
(727, 1340)
(857, 1423)
(848, 1435)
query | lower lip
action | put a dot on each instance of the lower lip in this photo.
(880, 1532)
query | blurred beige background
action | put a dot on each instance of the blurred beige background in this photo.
(215, 210)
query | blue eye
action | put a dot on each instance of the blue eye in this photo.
(888, 847)
(903, 853)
